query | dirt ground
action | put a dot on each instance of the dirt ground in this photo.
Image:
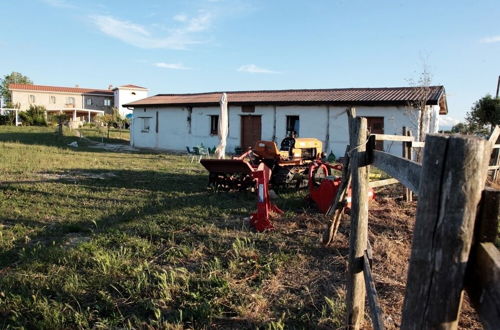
(391, 222)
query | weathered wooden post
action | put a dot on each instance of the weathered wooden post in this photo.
(407, 153)
(453, 176)
(483, 280)
(358, 236)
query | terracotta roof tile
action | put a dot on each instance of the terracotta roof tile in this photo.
(345, 96)
(133, 86)
(42, 88)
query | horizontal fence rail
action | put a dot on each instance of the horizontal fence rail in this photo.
(404, 170)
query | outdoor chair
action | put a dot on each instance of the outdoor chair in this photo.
(197, 153)
(191, 153)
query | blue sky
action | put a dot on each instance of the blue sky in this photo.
(209, 45)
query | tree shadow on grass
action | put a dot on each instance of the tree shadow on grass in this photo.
(52, 139)
(170, 194)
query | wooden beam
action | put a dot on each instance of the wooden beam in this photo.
(494, 135)
(483, 274)
(453, 177)
(381, 183)
(388, 137)
(358, 236)
(377, 314)
(405, 171)
(493, 167)
(496, 146)
(336, 209)
(485, 284)
(487, 221)
(417, 144)
(407, 154)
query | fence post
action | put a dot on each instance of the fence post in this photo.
(407, 153)
(483, 282)
(358, 236)
(453, 176)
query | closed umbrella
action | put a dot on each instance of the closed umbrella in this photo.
(220, 152)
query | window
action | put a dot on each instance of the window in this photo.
(107, 102)
(89, 101)
(248, 108)
(214, 125)
(145, 124)
(70, 100)
(32, 98)
(292, 125)
(53, 100)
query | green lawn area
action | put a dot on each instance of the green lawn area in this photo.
(100, 134)
(95, 239)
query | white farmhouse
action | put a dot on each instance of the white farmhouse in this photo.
(126, 94)
(175, 121)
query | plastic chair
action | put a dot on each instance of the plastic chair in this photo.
(190, 153)
(197, 153)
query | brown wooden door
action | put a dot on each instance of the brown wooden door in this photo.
(376, 126)
(251, 129)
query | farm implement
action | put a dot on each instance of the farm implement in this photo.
(288, 165)
(297, 164)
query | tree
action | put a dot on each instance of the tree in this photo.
(485, 112)
(13, 78)
(423, 83)
(34, 116)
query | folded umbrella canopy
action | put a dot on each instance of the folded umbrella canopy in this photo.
(220, 152)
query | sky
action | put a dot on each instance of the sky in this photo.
(224, 45)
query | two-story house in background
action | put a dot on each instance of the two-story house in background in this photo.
(81, 104)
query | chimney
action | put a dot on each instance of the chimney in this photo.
(77, 86)
(110, 87)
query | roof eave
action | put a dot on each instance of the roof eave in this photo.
(309, 103)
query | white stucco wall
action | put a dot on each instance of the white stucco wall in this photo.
(174, 132)
(124, 95)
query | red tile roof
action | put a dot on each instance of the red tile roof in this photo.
(346, 96)
(41, 88)
(133, 86)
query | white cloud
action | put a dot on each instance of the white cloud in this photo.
(447, 122)
(180, 18)
(490, 40)
(252, 68)
(172, 66)
(140, 36)
(58, 3)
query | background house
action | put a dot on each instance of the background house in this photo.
(174, 121)
(81, 104)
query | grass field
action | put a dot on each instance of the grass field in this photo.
(90, 238)
(100, 134)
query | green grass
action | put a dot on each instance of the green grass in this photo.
(95, 239)
(100, 134)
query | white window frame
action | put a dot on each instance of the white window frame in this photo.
(107, 102)
(32, 98)
(70, 100)
(89, 101)
(52, 99)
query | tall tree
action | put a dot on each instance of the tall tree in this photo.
(13, 78)
(485, 112)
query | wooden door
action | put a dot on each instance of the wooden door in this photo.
(251, 130)
(376, 126)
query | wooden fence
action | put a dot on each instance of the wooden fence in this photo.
(453, 243)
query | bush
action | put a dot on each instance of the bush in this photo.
(34, 116)
(8, 119)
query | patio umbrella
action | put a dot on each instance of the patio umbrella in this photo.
(220, 152)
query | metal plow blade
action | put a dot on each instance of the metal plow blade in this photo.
(229, 174)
